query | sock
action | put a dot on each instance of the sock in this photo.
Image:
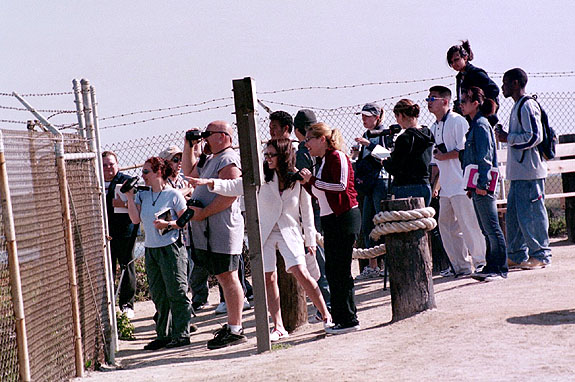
(235, 329)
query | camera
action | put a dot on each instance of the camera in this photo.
(294, 176)
(188, 213)
(392, 130)
(131, 183)
(440, 148)
(196, 135)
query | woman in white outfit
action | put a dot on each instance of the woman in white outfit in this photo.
(282, 201)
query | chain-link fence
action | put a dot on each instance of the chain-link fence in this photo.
(44, 272)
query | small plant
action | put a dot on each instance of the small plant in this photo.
(280, 346)
(142, 287)
(125, 327)
(557, 223)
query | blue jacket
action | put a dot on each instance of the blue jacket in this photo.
(480, 149)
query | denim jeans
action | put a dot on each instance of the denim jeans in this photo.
(371, 206)
(413, 190)
(527, 222)
(486, 210)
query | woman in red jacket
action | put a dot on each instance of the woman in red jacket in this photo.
(333, 186)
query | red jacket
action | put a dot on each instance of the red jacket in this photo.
(336, 180)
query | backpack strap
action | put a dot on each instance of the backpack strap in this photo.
(521, 103)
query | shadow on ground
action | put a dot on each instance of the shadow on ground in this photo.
(555, 317)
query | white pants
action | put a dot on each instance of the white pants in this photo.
(460, 232)
(293, 254)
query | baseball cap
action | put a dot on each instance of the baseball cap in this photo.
(370, 109)
(170, 152)
(304, 118)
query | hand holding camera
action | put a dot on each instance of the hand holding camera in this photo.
(132, 183)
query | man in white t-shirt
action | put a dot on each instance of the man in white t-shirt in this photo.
(458, 224)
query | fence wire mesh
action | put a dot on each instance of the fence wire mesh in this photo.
(9, 368)
(560, 106)
(37, 209)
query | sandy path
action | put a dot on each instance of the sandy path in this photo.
(520, 329)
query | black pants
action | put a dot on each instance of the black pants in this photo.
(122, 249)
(340, 233)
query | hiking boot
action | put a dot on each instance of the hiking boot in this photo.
(513, 265)
(534, 263)
(342, 329)
(224, 337)
(368, 273)
(176, 343)
(157, 344)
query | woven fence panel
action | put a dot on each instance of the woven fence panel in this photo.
(87, 230)
(8, 346)
(36, 204)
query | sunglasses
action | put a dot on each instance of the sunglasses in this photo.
(309, 139)
(270, 155)
(176, 159)
(432, 99)
(146, 171)
(208, 133)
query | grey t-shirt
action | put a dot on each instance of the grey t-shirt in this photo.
(152, 203)
(226, 228)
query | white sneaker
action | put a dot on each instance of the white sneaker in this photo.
(247, 305)
(129, 312)
(368, 273)
(221, 308)
(277, 335)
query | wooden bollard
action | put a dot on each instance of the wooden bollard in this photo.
(292, 298)
(410, 266)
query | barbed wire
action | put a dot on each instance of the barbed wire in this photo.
(166, 108)
(53, 111)
(541, 74)
(13, 121)
(166, 116)
(3, 94)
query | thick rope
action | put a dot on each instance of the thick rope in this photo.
(402, 221)
(359, 253)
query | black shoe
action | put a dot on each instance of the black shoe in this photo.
(223, 337)
(342, 329)
(198, 305)
(176, 343)
(157, 344)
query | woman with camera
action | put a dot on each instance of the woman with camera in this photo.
(459, 57)
(166, 257)
(370, 178)
(410, 158)
(480, 150)
(333, 186)
(284, 200)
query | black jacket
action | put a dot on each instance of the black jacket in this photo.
(120, 225)
(474, 76)
(409, 160)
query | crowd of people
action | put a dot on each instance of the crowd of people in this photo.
(314, 184)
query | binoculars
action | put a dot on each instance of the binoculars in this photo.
(196, 135)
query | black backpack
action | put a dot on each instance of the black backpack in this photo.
(547, 146)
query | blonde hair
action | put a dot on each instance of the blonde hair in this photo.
(333, 137)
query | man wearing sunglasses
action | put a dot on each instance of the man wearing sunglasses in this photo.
(458, 224)
(218, 227)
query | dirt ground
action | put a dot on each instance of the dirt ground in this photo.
(519, 329)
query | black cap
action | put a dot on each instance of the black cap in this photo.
(304, 119)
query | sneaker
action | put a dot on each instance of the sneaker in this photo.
(176, 343)
(129, 312)
(198, 305)
(247, 305)
(447, 273)
(327, 324)
(277, 335)
(157, 344)
(342, 329)
(533, 263)
(488, 276)
(464, 273)
(479, 268)
(224, 337)
(513, 265)
(221, 308)
(368, 273)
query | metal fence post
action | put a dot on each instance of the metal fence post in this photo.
(70, 256)
(14, 268)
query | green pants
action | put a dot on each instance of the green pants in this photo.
(167, 270)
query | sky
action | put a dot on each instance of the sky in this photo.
(146, 55)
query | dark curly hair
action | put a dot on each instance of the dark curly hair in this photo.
(285, 160)
(284, 118)
(464, 51)
(162, 165)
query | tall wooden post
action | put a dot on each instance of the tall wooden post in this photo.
(250, 148)
(410, 265)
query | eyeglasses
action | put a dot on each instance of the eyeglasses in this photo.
(146, 171)
(208, 133)
(432, 99)
(270, 155)
(176, 159)
(309, 139)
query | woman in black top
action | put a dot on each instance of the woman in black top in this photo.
(459, 57)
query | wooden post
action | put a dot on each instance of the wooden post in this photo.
(292, 298)
(568, 180)
(250, 152)
(410, 266)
